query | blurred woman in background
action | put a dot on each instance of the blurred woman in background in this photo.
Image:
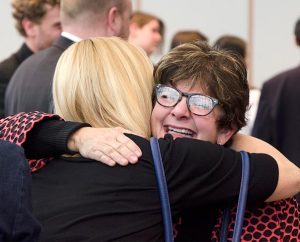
(146, 31)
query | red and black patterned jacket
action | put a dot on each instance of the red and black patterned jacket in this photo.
(39, 143)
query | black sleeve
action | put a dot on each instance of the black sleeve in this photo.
(49, 138)
(208, 173)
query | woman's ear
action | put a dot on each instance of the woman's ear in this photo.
(224, 135)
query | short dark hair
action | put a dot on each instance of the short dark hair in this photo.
(182, 37)
(220, 74)
(233, 43)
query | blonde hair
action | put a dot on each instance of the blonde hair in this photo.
(106, 82)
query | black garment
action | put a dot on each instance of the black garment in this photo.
(31, 86)
(197, 224)
(50, 138)
(278, 116)
(7, 69)
(17, 222)
(77, 199)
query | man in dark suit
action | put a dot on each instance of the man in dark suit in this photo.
(30, 87)
(38, 22)
(278, 116)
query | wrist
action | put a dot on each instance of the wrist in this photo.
(75, 139)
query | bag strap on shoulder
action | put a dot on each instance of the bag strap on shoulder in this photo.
(241, 206)
(163, 190)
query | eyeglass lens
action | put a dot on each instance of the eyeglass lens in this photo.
(198, 104)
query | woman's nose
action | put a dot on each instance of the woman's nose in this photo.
(181, 109)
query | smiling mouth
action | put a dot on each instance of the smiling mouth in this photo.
(184, 132)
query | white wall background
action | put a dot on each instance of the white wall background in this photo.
(10, 40)
(274, 49)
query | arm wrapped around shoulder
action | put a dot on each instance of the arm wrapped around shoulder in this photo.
(289, 174)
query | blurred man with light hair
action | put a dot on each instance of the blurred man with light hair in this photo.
(30, 87)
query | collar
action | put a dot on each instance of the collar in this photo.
(70, 36)
(24, 52)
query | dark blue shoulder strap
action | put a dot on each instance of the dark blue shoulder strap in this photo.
(241, 206)
(163, 190)
(165, 204)
(239, 219)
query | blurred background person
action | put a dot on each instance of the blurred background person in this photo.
(232, 43)
(146, 31)
(239, 46)
(278, 115)
(38, 22)
(17, 222)
(182, 37)
(30, 87)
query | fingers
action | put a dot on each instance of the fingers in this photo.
(124, 152)
(107, 155)
(98, 155)
(130, 149)
(108, 145)
(112, 154)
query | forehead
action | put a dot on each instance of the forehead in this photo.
(189, 85)
(153, 23)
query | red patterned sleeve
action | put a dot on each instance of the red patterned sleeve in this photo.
(275, 221)
(16, 128)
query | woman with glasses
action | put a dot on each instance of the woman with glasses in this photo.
(203, 94)
(105, 203)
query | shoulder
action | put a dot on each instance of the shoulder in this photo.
(184, 150)
(36, 58)
(41, 64)
(11, 60)
(7, 67)
(281, 78)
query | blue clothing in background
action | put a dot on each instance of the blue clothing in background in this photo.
(17, 222)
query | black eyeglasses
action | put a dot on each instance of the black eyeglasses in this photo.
(198, 104)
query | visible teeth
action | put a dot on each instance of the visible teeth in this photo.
(181, 131)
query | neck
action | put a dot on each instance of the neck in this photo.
(85, 32)
(31, 45)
